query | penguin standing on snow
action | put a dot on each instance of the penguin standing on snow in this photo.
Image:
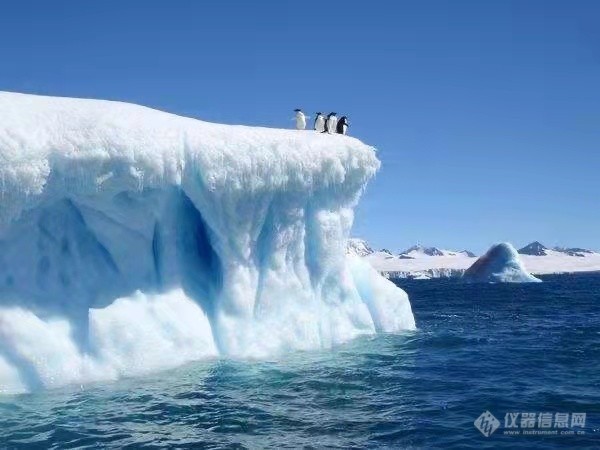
(319, 123)
(300, 120)
(331, 123)
(342, 125)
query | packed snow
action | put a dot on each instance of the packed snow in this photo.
(500, 264)
(559, 262)
(133, 240)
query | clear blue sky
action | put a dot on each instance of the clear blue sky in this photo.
(486, 114)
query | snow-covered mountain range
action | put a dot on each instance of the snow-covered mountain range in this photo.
(432, 262)
(538, 249)
(418, 251)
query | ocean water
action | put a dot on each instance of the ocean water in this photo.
(505, 349)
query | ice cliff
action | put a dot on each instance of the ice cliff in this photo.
(133, 240)
(500, 264)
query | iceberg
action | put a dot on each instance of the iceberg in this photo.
(133, 240)
(500, 264)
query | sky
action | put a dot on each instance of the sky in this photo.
(485, 114)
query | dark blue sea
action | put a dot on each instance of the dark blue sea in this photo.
(525, 356)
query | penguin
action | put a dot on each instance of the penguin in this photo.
(300, 120)
(342, 125)
(331, 123)
(319, 123)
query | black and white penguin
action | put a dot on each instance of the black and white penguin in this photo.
(319, 123)
(331, 123)
(342, 125)
(300, 119)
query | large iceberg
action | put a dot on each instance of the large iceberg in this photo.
(500, 264)
(133, 240)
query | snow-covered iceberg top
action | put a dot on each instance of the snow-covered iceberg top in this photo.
(500, 264)
(133, 239)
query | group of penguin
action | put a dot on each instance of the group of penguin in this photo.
(329, 124)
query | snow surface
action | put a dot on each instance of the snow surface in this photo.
(560, 262)
(133, 240)
(500, 264)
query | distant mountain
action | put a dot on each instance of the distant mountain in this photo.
(402, 256)
(538, 249)
(358, 247)
(429, 251)
(419, 251)
(534, 249)
(574, 251)
(361, 248)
